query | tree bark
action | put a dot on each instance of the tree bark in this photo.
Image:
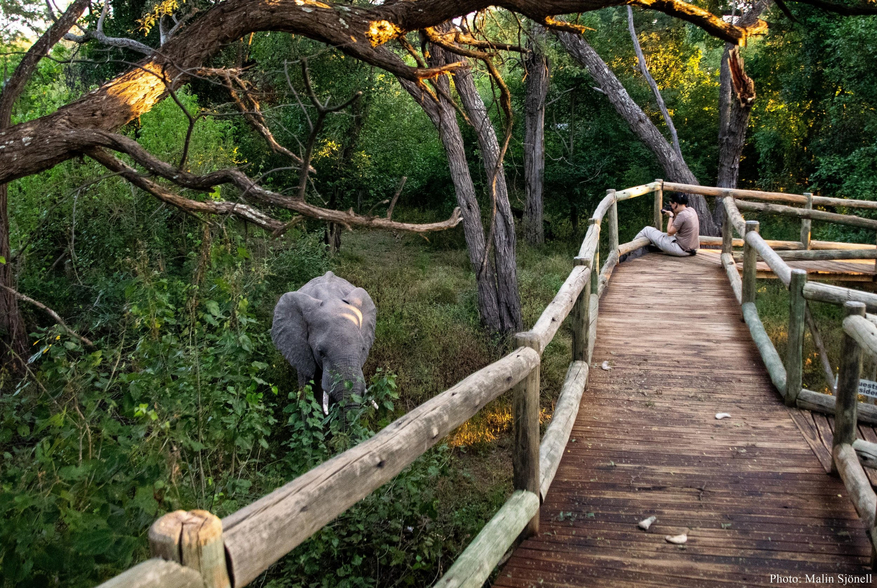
(736, 99)
(444, 117)
(674, 166)
(504, 239)
(537, 67)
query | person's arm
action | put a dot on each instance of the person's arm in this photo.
(671, 228)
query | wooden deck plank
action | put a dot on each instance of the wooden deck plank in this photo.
(751, 491)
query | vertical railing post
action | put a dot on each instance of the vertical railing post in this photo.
(581, 316)
(192, 539)
(525, 406)
(595, 260)
(750, 257)
(659, 203)
(594, 300)
(806, 222)
(727, 235)
(613, 224)
(795, 349)
(845, 418)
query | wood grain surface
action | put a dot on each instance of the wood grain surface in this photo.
(748, 490)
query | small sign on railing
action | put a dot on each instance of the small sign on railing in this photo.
(868, 388)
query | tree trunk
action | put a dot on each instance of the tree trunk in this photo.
(504, 239)
(736, 98)
(444, 117)
(13, 335)
(675, 168)
(537, 68)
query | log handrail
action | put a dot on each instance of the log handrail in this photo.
(259, 534)
(840, 219)
(769, 196)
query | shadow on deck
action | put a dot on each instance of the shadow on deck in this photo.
(748, 490)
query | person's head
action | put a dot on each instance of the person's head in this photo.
(678, 202)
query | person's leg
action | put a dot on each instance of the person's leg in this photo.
(662, 241)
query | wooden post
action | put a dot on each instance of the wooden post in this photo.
(727, 235)
(581, 318)
(795, 349)
(805, 222)
(595, 262)
(525, 457)
(845, 417)
(750, 257)
(613, 224)
(659, 202)
(193, 539)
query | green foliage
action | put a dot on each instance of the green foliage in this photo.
(97, 444)
(391, 535)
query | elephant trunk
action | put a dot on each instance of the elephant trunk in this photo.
(343, 380)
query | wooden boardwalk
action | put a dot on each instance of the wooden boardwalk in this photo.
(749, 491)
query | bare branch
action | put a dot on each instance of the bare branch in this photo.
(242, 211)
(250, 108)
(644, 68)
(51, 313)
(237, 178)
(396, 197)
(99, 36)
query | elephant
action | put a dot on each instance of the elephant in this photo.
(325, 330)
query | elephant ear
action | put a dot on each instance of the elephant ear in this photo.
(361, 300)
(290, 332)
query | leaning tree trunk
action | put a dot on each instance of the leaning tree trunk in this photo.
(675, 168)
(504, 240)
(444, 117)
(537, 67)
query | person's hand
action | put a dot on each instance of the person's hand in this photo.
(667, 213)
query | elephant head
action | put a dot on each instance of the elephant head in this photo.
(325, 331)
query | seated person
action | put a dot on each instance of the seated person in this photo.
(683, 229)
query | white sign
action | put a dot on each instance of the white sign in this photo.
(868, 388)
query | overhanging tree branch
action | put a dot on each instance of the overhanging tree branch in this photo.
(248, 187)
(358, 31)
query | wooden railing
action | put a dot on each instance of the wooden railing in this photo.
(196, 548)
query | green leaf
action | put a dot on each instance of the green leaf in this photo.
(2, 260)
(94, 542)
(212, 307)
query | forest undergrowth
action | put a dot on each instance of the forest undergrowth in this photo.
(186, 404)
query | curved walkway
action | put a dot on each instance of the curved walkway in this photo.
(753, 499)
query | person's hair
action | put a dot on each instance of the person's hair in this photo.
(679, 199)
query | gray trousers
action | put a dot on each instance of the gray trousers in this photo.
(663, 241)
